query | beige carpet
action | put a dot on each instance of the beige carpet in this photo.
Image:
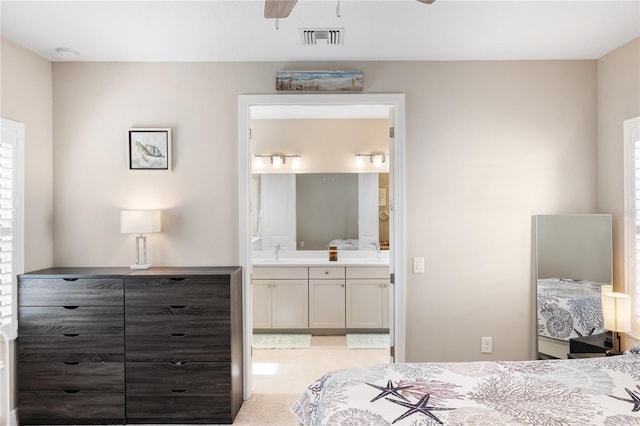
(267, 410)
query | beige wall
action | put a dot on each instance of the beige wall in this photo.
(27, 97)
(325, 145)
(618, 100)
(489, 144)
(25, 86)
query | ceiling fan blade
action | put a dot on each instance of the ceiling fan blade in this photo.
(426, 1)
(278, 8)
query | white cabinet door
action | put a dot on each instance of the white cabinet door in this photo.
(368, 222)
(365, 303)
(290, 304)
(261, 303)
(277, 219)
(326, 303)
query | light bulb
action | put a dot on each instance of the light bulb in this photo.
(257, 162)
(377, 160)
(359, 161)
(277, 161)
(296, 162)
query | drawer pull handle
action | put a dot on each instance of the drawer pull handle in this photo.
(179, 363)
(71, 390)
(71, 362)
(178, 334)
(71, 334)
(70, 279)
(71, 307)
(178, 390)
(177, 306)
(177, 278)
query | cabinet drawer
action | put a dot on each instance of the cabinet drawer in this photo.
(70, 319)
(70, 376)
(183, 406)
(81, 347)
(329, 272)
(189, 347)
(178, 319)
(70, 292)
(367, 272)
(46, 407)
(159, 291)
(179, 375)
(282, 273)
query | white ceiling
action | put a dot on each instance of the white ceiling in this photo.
(374, 30)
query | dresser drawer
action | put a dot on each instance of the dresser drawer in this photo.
(70, 292)
(46, 407)
(178, 319)
(179, 375)
(280, 273)
(187, 406)
(70, 375)
(189, 347)
(70, 320)
(81, 347)
(159, 291)
(326, 272)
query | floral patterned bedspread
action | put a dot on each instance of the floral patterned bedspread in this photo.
(594, 391)
(569, 308)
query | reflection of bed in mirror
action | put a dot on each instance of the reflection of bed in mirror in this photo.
(573, 254)
(345, 244)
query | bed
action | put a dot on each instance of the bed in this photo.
(345, 244)
(593, 391)
(569, 308)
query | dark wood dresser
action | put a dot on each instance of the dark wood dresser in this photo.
(112, 345)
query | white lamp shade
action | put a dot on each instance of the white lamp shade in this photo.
(139, 221)
(605, 288)
(616, 309)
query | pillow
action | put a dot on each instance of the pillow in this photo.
(635, 350)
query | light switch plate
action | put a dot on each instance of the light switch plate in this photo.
(418, 265)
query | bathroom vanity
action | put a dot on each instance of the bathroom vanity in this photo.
(320, 296)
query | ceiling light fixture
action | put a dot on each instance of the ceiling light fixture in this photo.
(66, 53)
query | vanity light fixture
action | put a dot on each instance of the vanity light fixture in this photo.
(376, 158)
(277, 160)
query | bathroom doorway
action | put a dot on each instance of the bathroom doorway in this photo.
(340, 104)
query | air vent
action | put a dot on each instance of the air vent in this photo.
(322, 35)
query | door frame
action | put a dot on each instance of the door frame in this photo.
(397, 260)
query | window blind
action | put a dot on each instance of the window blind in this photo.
(632, 217)
(9, 223)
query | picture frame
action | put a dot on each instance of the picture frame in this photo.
(320, 81)
(150, 149)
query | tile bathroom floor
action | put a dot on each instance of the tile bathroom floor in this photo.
(291, 371)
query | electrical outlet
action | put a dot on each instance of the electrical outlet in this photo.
(487, 345)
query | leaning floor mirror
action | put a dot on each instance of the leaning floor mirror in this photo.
(573, 262)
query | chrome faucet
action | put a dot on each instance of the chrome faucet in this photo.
(377, 246)
(277, 251)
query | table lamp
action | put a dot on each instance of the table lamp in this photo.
(606, 288)
(616, 309)
(140, 222)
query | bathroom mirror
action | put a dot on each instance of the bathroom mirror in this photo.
(311, 211)
(573, 261)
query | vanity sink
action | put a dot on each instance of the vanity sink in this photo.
(290, 261)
